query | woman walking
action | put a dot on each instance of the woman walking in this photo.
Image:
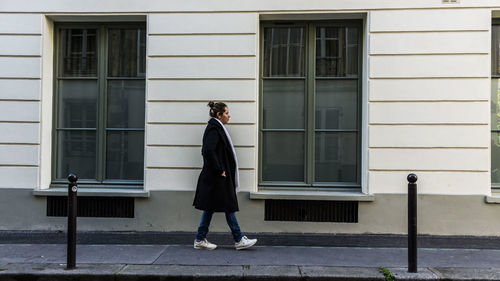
(216, 188)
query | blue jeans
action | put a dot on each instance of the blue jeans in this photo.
(206, 217)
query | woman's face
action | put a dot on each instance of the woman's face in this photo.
(224, 117)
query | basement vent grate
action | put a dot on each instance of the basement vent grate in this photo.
(106, 207)
(314, 211)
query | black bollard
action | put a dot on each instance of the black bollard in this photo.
(72, 207)
(412, 223)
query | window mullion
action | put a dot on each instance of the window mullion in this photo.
(55, 102)
(101, 167)
(360, 106)
(310, 104)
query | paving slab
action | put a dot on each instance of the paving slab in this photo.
(119, 254)
(462, 273)
(56, 253)
(272, 272)
(401, 273)
(457, 258)
(341, 273)
(32, 253)
(276, 255)
(258, 255)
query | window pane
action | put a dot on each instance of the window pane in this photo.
(352, 51)
(127, 52)
(336, 104)
(495, 109)
(284, 51)
(495, 50)
(495, 158)
(126, 104)
(283, 156)
(76, 154)
(77, 104)
(79, 52)
(336, 51)
(125, 155)
(284, 102)
(336, 157)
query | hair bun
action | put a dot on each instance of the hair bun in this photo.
(216, 108)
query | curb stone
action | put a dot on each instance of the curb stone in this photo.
(136, 272)
(269, 272)
(180, 272)
(122, 272)
(461, 273)
(401, 273)
(341, 273)
(46, 272)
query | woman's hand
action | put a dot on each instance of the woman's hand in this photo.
(224, 174)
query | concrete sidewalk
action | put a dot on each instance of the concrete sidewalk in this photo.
(182, 262)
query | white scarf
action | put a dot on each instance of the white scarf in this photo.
(237, 176)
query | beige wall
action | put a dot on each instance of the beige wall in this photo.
(138, 6)
(429, 100)
(20, 94)
(427, 94)
(194, 58)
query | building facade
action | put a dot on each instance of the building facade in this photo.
(333, 104)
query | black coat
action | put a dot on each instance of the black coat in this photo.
(213, 191)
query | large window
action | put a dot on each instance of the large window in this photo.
(310, 105)
(99, 104)
(495, 109)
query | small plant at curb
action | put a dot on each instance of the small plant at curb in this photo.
(387, 273)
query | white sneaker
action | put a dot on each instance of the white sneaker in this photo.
(245, 243)
(204, 245)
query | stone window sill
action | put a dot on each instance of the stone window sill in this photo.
(494, 198)
(98, 192)
(312, 195)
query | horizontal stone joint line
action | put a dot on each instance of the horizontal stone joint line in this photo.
(188, 168)
(19, 165)
(197, 101)
(173, 168)
(14, 143)
(428, 77)
(424, 170)
(425, 101)
(424, 54)
(199, 79)
(428, 31)
(198, 34)
(19, 122)
(193, 123)
(20, 78)
(429, 147)
(20, 100)
(20, 56)
(175, 145)
(428, 124)
(417, 124)
(202, 56)
(20, 34)
(193, 145)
